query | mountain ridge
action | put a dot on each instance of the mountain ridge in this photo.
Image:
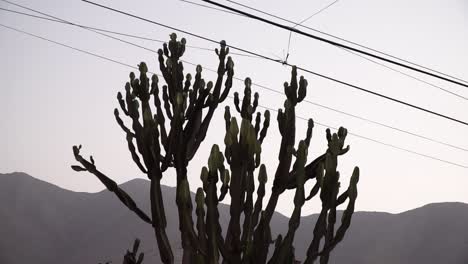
(126, 184)
(55, 224)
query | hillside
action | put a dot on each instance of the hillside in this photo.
(42, 223)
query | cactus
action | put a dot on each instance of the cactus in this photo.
(171, 137)
(188, 109)
(131, 256)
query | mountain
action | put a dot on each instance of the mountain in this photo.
(42, 223)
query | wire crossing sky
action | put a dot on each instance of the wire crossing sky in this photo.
(350, 42)
(331, 42)
(333, 36)
(262, 106)
(305, 69)
(57, 98)
(59, 20)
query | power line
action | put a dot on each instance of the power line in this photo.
(370, 121)
(210, 7)
(376, 141)
(316, 13)
(304, 20)
(265, 107)
(70, 47)
(356, 54)
(345, 40)
(62, 21)
(316, 104)
(88, 27)
(331, 42)
(285, 63)
(407, 75)
(347, 114)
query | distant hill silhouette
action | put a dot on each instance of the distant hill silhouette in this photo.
(42, 223)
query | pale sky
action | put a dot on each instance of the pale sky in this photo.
(54, 97)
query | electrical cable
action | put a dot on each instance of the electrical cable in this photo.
(313, 103)
(356, 54)
(62, 21)
(284, 63)
(265, 107)
(331, 42)
(347, 41)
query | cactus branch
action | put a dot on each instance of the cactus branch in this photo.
(110, 185)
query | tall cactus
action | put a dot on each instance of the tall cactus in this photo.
(170, 138)
(188, 109)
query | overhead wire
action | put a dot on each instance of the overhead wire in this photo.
(406, 74)
(347, 41)
(285, 63)
(317, 104)
(70, 47)
(356, 54)
(209, 7)
(263, 106)
(62, 21)
(375, 140)
(304, 20)
(331, 42)
(316, 13)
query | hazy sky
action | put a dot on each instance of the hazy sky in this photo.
(53, 97)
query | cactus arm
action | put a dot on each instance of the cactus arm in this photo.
(330, 187)
(242, 186)
(167, 104)
(201, 226)
(210, 178)
(342, 198)
(266, 124)
(232, 241)
(287, 128)
(314, 190)
(285, 250)
(131, 256)
(195, 94)
(248, 240)
(160, 119)
(262, 179)
(228, 83)
(129, 138)
(122, 103)
(164, 70)
(222, 52)
(110, 185)
(258, 118)
(248, 208)
(159, 222)
(213, 104)
(302, 91)
(122, 125)
(225, 186)
(347, 214)
(310, 127)
(246, 108)
(237, 102)
(319, 232)
(255, 102)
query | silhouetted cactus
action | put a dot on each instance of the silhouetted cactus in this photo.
(131, 256)
(171, 137)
